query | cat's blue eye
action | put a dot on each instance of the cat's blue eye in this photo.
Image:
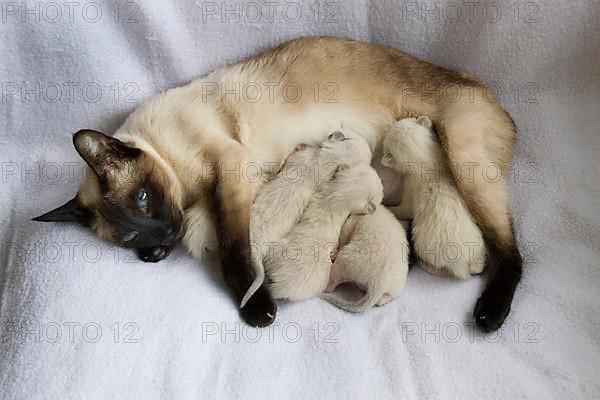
(142, 199)
(128, 237)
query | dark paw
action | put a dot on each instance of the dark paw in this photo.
(491, 310)
(260, 310)
(153, 254)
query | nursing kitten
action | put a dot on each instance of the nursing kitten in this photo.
(300, 265)
(374, 256)
(280, 203)
(444, 233)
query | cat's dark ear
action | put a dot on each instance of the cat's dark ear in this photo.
(71, 211)
(104, 154)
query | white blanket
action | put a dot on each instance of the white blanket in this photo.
(81, 319)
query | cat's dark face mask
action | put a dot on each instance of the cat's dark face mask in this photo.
(127, 197)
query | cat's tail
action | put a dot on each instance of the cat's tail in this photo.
(374, 292)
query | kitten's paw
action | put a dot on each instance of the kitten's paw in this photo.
(476, 268)
(333, 255)
(153, 254)
(386, 298)
(434, 270)
(387, 160)
(300, 146)
(491, 310)
(458, 270)
(260, 310)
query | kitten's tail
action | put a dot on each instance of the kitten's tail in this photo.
(259, 278)
(371, 297)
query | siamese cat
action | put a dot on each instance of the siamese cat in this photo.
(189, 150)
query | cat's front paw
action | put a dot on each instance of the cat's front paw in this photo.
(153, 254)
(491, 310)
(260, 310)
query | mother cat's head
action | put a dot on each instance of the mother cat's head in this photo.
(129, 195)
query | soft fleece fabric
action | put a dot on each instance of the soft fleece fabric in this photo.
(81, 319)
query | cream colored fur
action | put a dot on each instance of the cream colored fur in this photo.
(444, 233)
(200, 236)
(281, 202)
(375, 258)
(201, 130)
(194, 125)
(299, 267)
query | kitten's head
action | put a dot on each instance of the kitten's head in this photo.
(347, 149)
(410, 140)
(356, 188)
(303, 155)
(129, 196)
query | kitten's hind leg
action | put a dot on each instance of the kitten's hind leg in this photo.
(386, 298)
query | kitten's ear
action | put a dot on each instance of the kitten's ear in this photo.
(71, 211)
(104, 154)
(425, 122)
(370, 208)
(339, 168)
(336, 136)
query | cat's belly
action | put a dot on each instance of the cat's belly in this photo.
(274, 137)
